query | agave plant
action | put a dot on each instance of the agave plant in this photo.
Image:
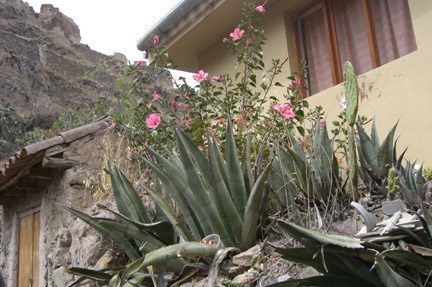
(400, 258)
(144, 242)
(375, 159)
(211, 195)
(312, 174)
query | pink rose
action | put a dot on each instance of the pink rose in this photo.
(156, 40)
(237, 34)
(153, 121)
(201, 76)
(155, 96)
(260, 9)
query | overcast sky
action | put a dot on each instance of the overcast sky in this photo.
(108, 26)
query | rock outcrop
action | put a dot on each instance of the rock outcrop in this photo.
(45, 71)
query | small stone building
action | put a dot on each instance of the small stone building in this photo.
(39, 239)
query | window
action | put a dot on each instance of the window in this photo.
(366, 33)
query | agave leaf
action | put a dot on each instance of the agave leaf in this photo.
(421, 250)
(200, 192)
(388, 276)
(99, 276)
(426, 220)
(247, 167)
(128, 201)
(183, 196)
(163, 230)
(252, 210)
(161, 190)
(235, 176)
(278, 179)
(141, 236)
(374, 136)
(222, 166)
(302, 255)
(359, 268)
(368, 217)
(324, 281)
(197, 155)
(115, 236)
(115, 281)
(169, 213)
(385, 153)
(410, 259)
(311, 238)
(169, 253)
(368, 150)
(231, 216)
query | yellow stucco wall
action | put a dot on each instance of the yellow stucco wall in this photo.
(400, 90)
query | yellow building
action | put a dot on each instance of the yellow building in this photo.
(388, 42)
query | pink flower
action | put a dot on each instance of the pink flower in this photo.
(297, 81)
(225, 40)
(200, 148)
(249, 42)
(276, 108)
(186, 96)
(156, 40)
(153, 121)
(285, 60)
(188, 122)
(113, 125)
(321, 123)
(174, 105)
(289, 88)
(138, 63)
(286, 112)
(200, 76)
(237, 34)
(260, 9)
(216, 79)
(183, 79)
(155, 96)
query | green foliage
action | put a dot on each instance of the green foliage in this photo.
(375, 159)
(308, 174)
(345, 261)
(212, 195)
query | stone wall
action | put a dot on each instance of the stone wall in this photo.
(66, 241)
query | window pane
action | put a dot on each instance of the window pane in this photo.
(315, 52)
(393, 27)
(351, 34)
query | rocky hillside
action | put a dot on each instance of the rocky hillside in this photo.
(45, 71)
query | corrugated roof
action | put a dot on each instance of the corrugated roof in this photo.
(20, 165)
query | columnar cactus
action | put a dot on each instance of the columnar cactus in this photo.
(351, 95)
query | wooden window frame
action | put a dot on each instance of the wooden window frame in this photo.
(332, 45)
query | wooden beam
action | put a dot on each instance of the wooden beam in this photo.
(24, 171)
(53, 162)
(370, 30)
(332, 44)
(40, 173)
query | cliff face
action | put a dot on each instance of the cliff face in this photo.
(44, 69)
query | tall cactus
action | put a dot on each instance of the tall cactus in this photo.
(352, 95)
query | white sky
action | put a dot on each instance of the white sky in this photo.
(108, 26)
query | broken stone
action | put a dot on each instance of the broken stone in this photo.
(58, 277)
(245, 258)
(390, 207)
(246, 279)
(105, 261)
(65, 239)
